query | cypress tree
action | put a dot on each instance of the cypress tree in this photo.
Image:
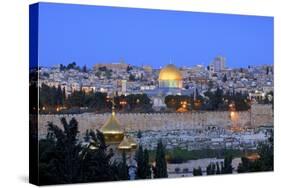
(197, 171)
(147, 167)
(144, 168)
(218, 168)
(208, 169)
(140, 163)
(224, 79)
(160, 169)
(213, 168)
(227, 167)
(124, 170)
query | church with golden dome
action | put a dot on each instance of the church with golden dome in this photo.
(120, 142)
(115, 136)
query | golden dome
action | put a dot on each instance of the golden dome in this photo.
(170, 72)
(132, 142)
(112, 130)
(125, 144)
(111, 125)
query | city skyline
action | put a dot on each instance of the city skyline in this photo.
(117, 120)
(91, 34)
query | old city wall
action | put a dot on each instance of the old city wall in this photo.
(259, 115)
(262, 115)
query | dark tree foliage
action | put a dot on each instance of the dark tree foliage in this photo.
(129, 68)
(245, 166)
(217, 100)
(123, 168)
(174, 102)
(76, 99)
(160, 169)
(132, 77)
(211, 169)
(227, 165)
(51, 98)
(69, 66)
(139, 134)
(197, 171)
(138, 103)
(147, 166)
(96, 163)
(98, 74)
(63, 159)
(59, 154)
(224, 79)
(264, 163)
(96, 101)
(84, 69)
(144, 168)
(265, 151)
(140, 163)
(103, 68)
(208, 169)
(210, 84)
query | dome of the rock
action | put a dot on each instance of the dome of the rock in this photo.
(170, 77)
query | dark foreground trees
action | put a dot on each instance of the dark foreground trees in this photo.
(265, 162)
(224, 167)
(197, 171)
(144, 168)
(62, 159)
(260, 162)
(160, 168)
(123, 168)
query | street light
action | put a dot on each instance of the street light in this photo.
(183, 104)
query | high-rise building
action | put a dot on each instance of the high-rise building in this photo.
(218, 64)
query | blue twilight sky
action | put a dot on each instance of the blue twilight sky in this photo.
(91, 34)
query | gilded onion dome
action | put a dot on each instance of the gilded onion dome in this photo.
(125, 144)
(112, 129)
(132, 142)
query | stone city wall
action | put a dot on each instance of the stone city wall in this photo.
(259, 115)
